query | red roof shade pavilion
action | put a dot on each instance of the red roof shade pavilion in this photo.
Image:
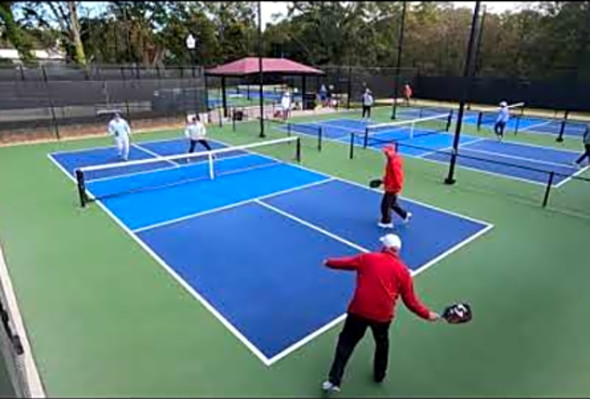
(249, 65)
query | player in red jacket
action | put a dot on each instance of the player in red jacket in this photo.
(393, 182)
(381, 277)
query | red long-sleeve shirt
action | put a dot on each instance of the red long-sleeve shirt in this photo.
(382, 277)
(393, 180)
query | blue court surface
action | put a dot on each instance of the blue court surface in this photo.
(250, 243)
(524, 162)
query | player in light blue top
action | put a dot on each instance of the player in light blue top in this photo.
(119, 128)
(502, 120)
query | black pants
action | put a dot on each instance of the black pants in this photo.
(389, 202)
(366, 110)
(499, 128)
(585, 154)
(354, 329)
(202, 142)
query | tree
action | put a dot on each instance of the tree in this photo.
(14, 33)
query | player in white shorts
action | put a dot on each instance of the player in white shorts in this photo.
(119, 128)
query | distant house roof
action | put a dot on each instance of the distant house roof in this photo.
(43, 55)
(249, 65)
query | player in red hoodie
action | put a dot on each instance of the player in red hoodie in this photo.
(393, 182)
(381, 277)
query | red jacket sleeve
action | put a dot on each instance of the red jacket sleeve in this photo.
(346, 263)
(394, 174)
(409, 297)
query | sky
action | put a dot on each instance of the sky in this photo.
(272, 7)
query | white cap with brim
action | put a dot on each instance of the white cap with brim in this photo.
(391, 241)
(503, 104)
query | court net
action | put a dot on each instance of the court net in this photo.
(406, 130)
(161, 172)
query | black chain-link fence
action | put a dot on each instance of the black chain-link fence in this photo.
(54, 102)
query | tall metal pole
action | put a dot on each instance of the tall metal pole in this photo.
(399, 59)
(260, 72)
(479, 41)
(467, 78)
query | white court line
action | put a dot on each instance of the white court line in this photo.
(233, 205)
(154, 154)
(32, 377)
(311, 226)
(447, 148)
(567, 179)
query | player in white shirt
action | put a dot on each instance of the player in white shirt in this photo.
(502, 120)
(286, 104)
(367, 103)
(195, 131)
(119, 128)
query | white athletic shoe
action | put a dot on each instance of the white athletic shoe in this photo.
(327, 386)
(408, 217)
(577, 165)
(385, 225)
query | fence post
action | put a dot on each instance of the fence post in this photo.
(51, 107)
(559, 138)
(548, 189)
(517, 125)
(22, 72)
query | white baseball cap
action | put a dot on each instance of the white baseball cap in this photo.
(391, 241)
(503, 104)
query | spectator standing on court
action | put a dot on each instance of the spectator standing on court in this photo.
(407, 93)
(286, 104)
(586, 141)
(367, 103)
(323, 95)
(195, 131)
(501, 120)
(393, 182)
(380, 278)
(119, 128)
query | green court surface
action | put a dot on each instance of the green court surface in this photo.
(104, 319)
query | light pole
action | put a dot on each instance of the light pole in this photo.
(191, 45)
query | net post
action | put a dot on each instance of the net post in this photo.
(366, 138)
(320, 133)
(220, 117)
(233, 117)
(210, 162)
(449, 121)
(396, 144)
(81, 188)
(351, 153)
(288, 129)
(548, 189)
(298, 150)
(561, 131)
(479, 118)
(517, 125)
